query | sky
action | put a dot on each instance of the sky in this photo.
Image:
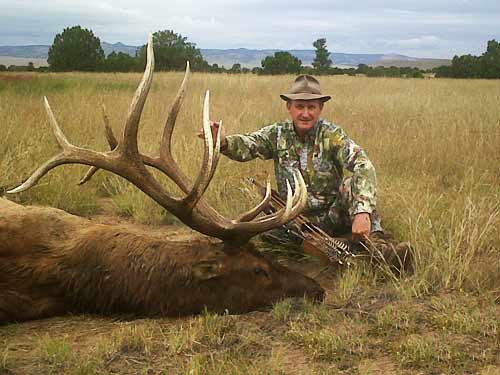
(424, 28)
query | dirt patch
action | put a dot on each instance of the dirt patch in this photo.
(293, 361)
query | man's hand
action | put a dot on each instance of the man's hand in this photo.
(361, 226)
(214, 126)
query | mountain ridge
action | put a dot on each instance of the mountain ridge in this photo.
(246, 57)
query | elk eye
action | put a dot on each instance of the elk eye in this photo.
(260, 271)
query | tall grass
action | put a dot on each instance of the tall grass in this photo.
(435, 144)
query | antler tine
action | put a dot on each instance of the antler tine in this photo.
(112, 142)
(207, 168)
(216, 151)
(88, 176)
(59, 159)
(61, 138)
(166, 140)
(280, 217)
(129, 144)
(39, 173)
(70, 155)
(300, 198)
(252, 214)
(276, 218)
(108, 131)
(251, 228)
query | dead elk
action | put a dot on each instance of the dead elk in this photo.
(52, 262)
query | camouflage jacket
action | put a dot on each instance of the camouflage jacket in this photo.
(323, 158)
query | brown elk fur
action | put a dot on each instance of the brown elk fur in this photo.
(52, 262)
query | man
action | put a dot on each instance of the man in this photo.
(322, 152)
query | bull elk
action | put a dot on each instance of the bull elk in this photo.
(52, 262)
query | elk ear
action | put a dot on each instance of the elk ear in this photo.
(207, 269)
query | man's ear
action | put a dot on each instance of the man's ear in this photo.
(207, 269)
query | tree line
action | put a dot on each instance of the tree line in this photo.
(469, 66)
(78, 49)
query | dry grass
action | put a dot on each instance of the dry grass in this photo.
(435, 144)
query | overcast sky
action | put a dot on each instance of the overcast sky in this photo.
(423, 28)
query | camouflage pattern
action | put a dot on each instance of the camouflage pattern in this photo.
(340, 178)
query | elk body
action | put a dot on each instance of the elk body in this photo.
(52, 262)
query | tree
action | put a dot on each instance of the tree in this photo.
(363, 69)
(120, 62)
(172, 51)
(465, 66)
(75, 49)
(281, 63)
(3, 68)
(322, 61)
(490, 60)
(215, 68)
(469, 66)
(236, 68)
(443, 71)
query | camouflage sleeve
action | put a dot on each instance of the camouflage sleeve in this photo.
(259, 144)
(364, 180)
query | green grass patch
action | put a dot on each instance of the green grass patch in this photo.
(56, 352)
(106, 86)
(294, 309)
(40, 86)
(6, 361)
(132, 202)
(437, 353)
(229, 363)
(212, 332)
(394, 319)
(344, 342)
(465, 315)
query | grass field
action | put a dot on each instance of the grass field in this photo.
(436, 148)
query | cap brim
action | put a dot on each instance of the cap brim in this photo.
(305, 96)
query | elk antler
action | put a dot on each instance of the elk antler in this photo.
(125, 160)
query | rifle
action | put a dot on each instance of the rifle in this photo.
(316, 241)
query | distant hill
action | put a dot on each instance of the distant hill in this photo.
(415, 63)
(117, 47)
(246, 57)
(37, 51)
(41, 51)
(22, 61)
(252, 57)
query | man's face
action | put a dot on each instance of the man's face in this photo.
(305, 114)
